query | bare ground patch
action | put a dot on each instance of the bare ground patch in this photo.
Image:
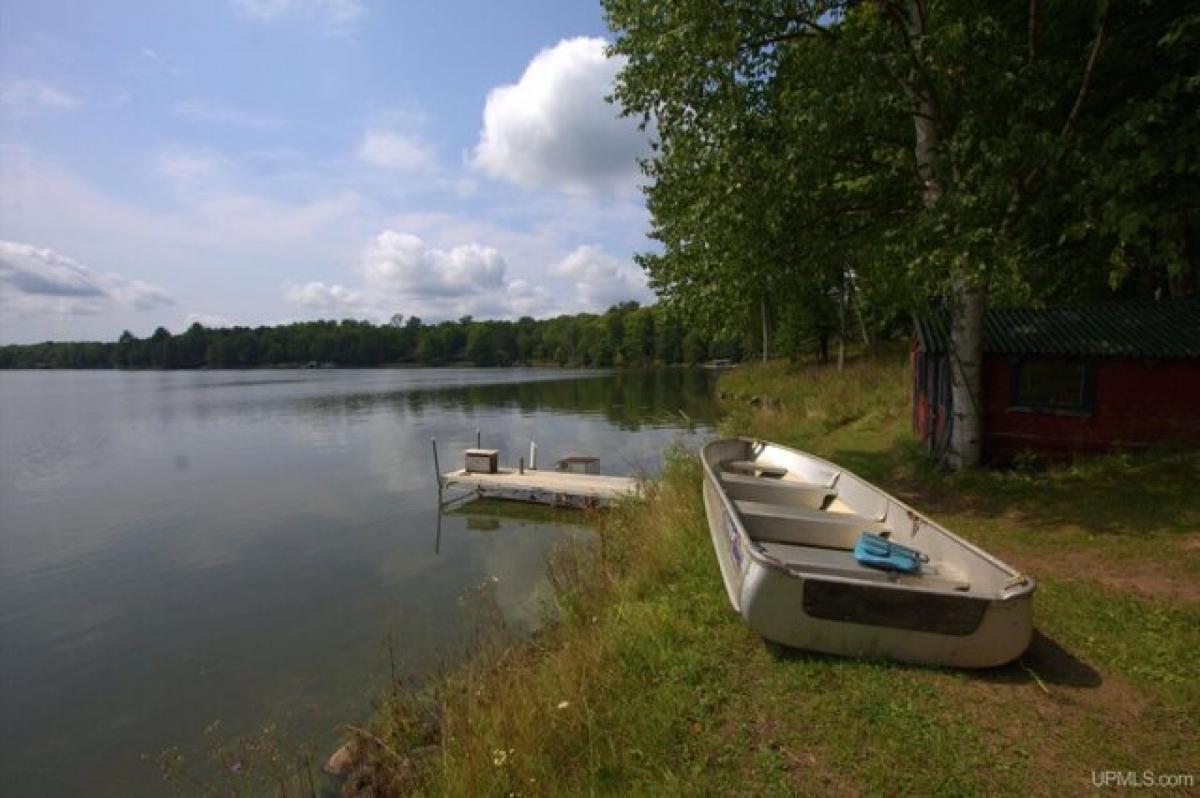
(1147, 578)
(1052, 723)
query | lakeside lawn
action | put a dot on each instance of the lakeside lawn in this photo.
(649, 684)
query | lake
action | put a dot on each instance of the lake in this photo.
(180, 548)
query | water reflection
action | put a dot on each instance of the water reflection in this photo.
(177, 548)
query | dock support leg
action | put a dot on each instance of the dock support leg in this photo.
(437, 469)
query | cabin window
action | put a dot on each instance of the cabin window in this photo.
(1053, 385)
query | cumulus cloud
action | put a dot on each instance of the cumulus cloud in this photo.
(335, 14)
(402, 273)
(522, 298)
(317, 295)
(387, 149)
(403, 264)
(602, 280)
(553, 127)
(36, 280)
(23, 97)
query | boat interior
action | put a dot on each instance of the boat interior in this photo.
(809, 518)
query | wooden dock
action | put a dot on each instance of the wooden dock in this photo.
(562, 488)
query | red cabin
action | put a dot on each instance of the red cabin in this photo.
(1063, 381)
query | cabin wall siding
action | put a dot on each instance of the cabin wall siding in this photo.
(1134, 403)
(931, 397)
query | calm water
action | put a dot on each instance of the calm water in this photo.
(182, 547)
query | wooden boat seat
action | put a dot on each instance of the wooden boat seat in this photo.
(792, 493)
(815, 561)
(753, 469)
(803, 526)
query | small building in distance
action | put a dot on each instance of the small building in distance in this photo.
(1063, 381)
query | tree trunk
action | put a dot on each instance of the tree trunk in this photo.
(968, 303)
(968, 297)
(862, 322)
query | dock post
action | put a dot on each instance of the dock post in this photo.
(521, 466)
(478, 439)
(437, 469)
(532, 456)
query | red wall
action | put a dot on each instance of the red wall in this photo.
(929, 419)
(1137, 403)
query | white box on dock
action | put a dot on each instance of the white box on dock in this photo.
(483, 461)
(578, 464)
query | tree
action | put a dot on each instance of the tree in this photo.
(624, 334)
(945, 149)
(481, 345)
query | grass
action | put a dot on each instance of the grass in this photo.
(646, 683)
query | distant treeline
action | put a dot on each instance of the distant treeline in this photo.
(626, 335)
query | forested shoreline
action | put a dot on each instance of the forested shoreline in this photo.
(626, 335)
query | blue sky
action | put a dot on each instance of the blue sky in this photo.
(260, 161)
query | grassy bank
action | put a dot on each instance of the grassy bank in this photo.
(648, 684)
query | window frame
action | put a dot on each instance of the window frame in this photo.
(1021, 404)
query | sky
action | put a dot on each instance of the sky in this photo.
(263, 161)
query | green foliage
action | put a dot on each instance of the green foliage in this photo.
(625, 335)
(1062, 158)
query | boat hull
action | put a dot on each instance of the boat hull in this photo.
(842, 615)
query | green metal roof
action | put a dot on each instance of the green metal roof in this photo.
(1166, 329)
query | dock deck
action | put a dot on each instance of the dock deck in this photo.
(546, 487)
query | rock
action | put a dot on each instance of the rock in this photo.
(344, 760)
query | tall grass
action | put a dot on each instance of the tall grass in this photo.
(539, 717)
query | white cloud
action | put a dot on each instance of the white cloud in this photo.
(207, 320)
(553, 127)
(205, 111)
(332, 14)
(404, 265)
(387, 149)
(522, 298)
(317, 295)
(601, 280)
(136, 294)
(402, 273)
(23, 97)
(35, 280)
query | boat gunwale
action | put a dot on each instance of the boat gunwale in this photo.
(1013, 592)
